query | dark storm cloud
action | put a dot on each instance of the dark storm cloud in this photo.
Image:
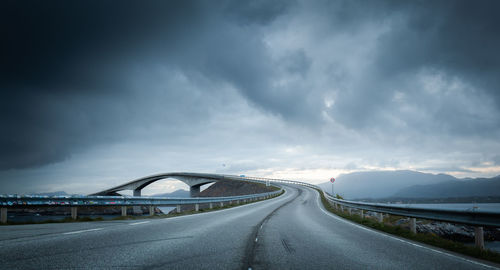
(459, 37)
(75, 75)
(455, 40)
(66, 69)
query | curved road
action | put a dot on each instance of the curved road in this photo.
(292, 231)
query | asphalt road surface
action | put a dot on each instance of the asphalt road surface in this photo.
(292, 231)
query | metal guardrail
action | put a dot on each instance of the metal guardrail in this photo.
(469, 217)
(30, 201)
(33, 200)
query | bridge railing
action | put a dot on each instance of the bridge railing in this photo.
(31, 201)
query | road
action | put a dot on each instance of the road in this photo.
(292, 231)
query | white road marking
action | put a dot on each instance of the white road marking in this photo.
(82, 231)
(137, 223)
(399, 239)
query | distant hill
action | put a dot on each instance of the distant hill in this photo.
(234, 188)
(229, 188)
(480, 187)
(56, 193)
(180, 193)
(380, 184)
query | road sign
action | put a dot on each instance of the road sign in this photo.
(332, 179)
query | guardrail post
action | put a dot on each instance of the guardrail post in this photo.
(178, 208)
(3, 215)
(413, 225)
(197, 207)
(124, 211)
(221, 204)
(380, 217)
(74, 212)
(362, 213)
(349, 210)
(237, 201)
(151, 210)
(342, 208)
(211, 205)
(479, 237)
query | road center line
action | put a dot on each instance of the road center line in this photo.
(82, 231)
(137, 223)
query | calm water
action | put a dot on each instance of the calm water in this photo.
(487, 207)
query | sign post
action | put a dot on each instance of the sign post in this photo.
(332, 180)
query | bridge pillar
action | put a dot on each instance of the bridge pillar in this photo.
(178, 208)
(197, 207)
(124, 211)
(413, 225)
(211, 205)
(479, 237)
(194, 191)
(136, 209)
(74, 212)
(3, 215)
(151, 210)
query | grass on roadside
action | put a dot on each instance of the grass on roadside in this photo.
(427, 238)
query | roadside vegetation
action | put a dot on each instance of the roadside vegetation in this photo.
(426, 238)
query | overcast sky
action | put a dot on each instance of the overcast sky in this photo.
(96, 93)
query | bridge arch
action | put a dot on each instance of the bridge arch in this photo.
(193, 180)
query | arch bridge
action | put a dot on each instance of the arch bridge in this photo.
(193, 180)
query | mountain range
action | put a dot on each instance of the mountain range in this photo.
(410, 184)
(180, 193)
